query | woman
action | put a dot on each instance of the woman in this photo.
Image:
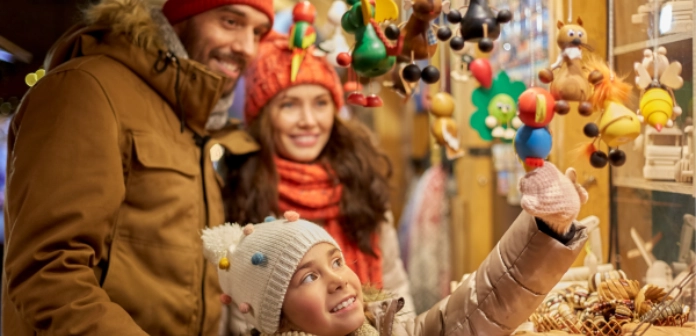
(325, 168)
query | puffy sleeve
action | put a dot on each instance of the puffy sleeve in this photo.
(506, 288)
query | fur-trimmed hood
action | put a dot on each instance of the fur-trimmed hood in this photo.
(140, 37)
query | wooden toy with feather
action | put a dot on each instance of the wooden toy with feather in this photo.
(444, 129)
(302, 34)
(658, 78)
(567, 75)
(373, 55)
(617, 125)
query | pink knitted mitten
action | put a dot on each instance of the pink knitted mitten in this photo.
(552, 197)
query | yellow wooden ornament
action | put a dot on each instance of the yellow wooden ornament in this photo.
(386, 10)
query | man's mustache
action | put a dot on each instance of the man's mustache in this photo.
(233, 57)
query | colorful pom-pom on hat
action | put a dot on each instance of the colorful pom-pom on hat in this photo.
(291, 216)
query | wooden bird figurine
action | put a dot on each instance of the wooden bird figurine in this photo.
(302, 34)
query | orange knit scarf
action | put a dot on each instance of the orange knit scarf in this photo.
(309, 190)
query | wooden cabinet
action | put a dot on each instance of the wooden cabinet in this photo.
(647, 202)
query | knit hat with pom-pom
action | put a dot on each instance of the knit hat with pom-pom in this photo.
(256, 263)
(270, 74)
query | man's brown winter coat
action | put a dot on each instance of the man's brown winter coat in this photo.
(106, 196)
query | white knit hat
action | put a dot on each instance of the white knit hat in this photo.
(256, 263)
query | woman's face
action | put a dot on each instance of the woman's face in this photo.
(302, 117)
(324, 296)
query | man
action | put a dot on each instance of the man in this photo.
(110, 178)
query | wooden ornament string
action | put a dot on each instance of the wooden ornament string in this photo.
(570, 11)
(655, 32)
(532, 44)
(443, 57)
(611, 39)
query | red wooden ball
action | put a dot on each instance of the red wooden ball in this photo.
(344, 59)
(527, 106)
(304, 11)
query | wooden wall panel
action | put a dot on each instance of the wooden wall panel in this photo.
(567, 130)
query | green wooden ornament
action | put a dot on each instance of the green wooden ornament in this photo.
(499, 102)
(370, 55)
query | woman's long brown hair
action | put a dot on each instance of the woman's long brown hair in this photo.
(251, 181)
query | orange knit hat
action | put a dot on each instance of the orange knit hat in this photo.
(180, 10)
(269, 74)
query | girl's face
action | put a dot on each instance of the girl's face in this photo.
(302, 117)
(324, 296)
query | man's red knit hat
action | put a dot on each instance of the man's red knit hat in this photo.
(270, 74)
(180, 10)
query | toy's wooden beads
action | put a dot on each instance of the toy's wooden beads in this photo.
(258, 259)
(291, 216)
(248, 229)
(442, 105)
(224, 263)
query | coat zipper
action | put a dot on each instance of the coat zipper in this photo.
(201, 142)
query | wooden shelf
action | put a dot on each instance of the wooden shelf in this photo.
(666, 186)
(625, 49)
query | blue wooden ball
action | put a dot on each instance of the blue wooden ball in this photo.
(533, 142)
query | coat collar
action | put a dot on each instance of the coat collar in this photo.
(141, 39)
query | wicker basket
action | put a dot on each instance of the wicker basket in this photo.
(589, 327)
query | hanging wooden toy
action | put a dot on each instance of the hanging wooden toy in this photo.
(567, 75)
(480, 24)
(398, 84)
(462, 63)
(302, 34)
(533, 140)
(496, 114)
(373, 55)
(420, 41)
(617, 125)
(658, 78)
(444, 129)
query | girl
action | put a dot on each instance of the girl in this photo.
(310, 161)
(289, 277)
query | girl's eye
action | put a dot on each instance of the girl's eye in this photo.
(323, 102)
(338, 263)
(309, 278)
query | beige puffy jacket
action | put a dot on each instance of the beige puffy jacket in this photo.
(510, 283)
